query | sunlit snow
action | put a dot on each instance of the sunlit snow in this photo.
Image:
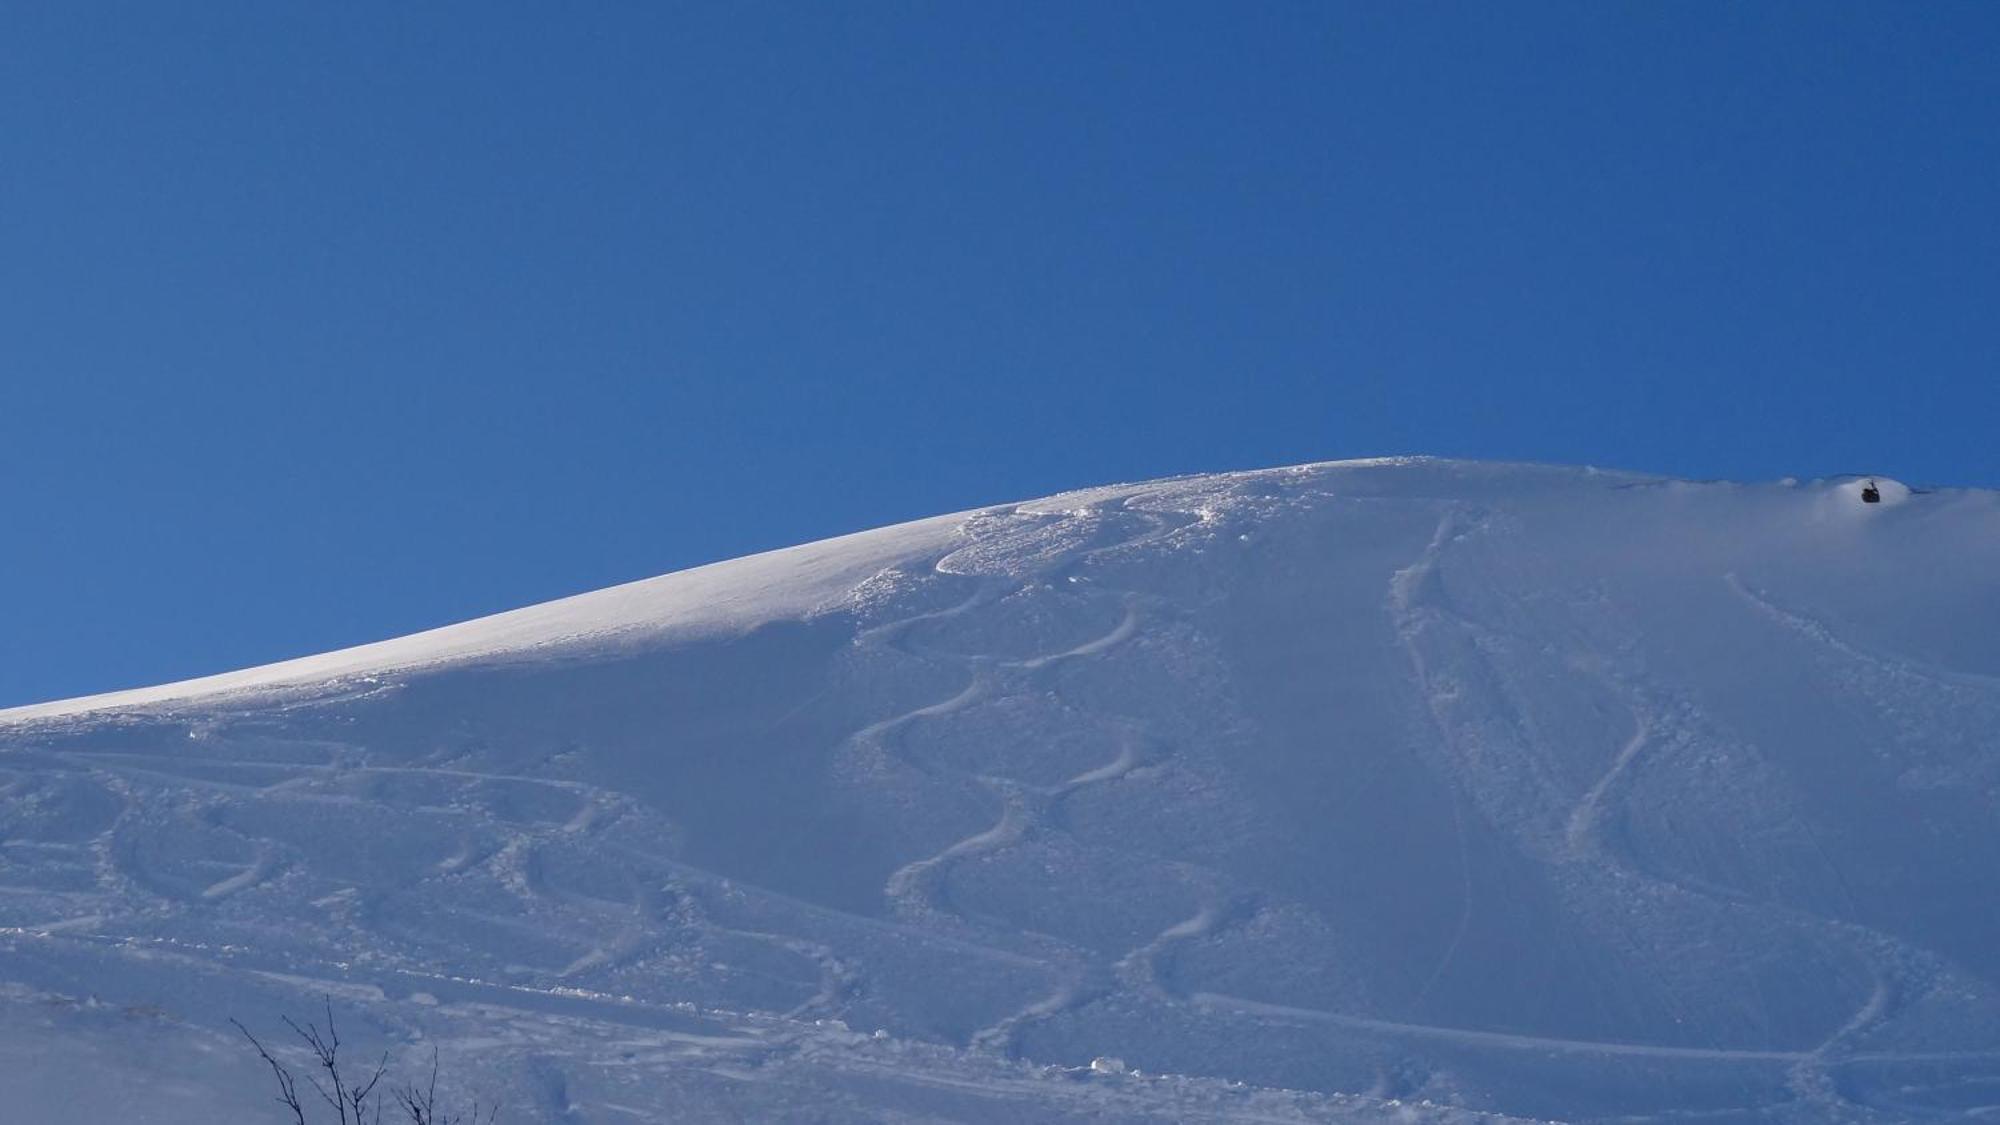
(1391, 790)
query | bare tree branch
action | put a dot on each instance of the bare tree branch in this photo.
(352, 1097)
(358, 1096)
(288, 1087)
(421, 1103)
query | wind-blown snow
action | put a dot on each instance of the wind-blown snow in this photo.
(688, 605)
(1402, 789)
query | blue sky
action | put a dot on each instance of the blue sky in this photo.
(326, 323)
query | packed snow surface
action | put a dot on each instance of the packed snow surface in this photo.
(1398, 790)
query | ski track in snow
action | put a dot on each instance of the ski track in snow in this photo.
(1541, 1043)
(1810, 1078)
(516, 861)
(248, 877)
(1412, 616)
(1882, 678)
(1140, 969)
(914, 886)
(1416, 607)
(1889, 664)
(625, 927)
(614, 929)
(919, 890)
(1586, 822)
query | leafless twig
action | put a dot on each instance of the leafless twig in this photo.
(288, 1087)
(420, 1102)
(351, 1099)
(354, 1100)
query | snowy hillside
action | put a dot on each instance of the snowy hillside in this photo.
(1374, 791)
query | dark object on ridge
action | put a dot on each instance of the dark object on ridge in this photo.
(1870, 494)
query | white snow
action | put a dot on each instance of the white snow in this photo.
(1391, 790)
(720, 598)
(1888, 493)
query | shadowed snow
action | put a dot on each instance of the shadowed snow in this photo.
(1403, 789)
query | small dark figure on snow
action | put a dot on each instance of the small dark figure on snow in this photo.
(1870, 494)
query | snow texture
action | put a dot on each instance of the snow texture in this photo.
(1395, 790)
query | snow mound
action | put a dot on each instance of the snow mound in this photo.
(1888, 493)
(1392, 790)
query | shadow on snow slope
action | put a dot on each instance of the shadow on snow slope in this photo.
(1522, 789)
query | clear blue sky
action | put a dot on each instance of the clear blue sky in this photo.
(321, 323)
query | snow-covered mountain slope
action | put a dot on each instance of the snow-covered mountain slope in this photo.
(1388, 790)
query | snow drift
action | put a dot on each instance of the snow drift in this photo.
(1401, 789)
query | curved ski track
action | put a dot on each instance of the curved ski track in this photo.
(127, 890)
(918, 890)
(1417, 606)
